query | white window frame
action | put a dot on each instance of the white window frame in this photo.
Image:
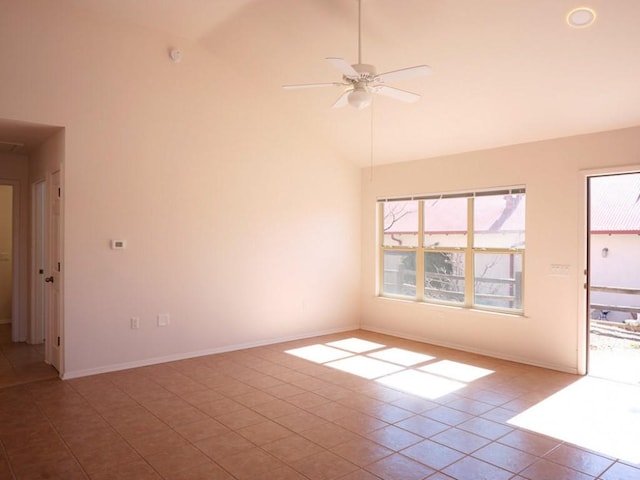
(469, 252)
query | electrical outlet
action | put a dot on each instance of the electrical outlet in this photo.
(135, 322)
(163, 319)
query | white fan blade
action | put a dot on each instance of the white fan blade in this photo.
(313, 85)
(343, 100)
(417, 71)
(397, 94)
(346, 69)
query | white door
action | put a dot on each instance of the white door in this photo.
(53, 279)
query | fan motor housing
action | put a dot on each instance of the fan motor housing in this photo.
(367, 72)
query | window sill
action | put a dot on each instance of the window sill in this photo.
(457, 308)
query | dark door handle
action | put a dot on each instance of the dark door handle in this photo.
(49, 279)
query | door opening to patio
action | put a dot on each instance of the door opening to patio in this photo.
(614, 276)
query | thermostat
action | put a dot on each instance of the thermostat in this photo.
(118, 244)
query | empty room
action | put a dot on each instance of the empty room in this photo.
(319, 239)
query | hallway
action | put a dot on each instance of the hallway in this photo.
(20, 362)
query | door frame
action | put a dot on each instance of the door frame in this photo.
(37, 331)
(584, 255)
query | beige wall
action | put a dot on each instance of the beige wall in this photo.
(6, 253)
(552, 331)
(238, 224)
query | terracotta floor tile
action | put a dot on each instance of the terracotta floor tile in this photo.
(394, 438)
(329, 435)
(398, 466)
(275, 408)
(465, 442)
(307, 400)
(432, 454)
(361, 452)
(137, 470)
(250, 464)
(581, 460)
(323, 466)
(485, 428)
(388, 413)
(223, 445)
(301, 421)
(620, 471)
(532, 443)
(283, 390)
(240, 418)
(470, 406)
(165, 440)
(95, 459)
(505, 457)
(422, 426)
(285, 473)
(220, 407)
(332, 411)
(179, 459)
(360, 475)
(293, 447)
(472, 468)
(544, 469)
(264, 432)
(201, 429)
(447, 415)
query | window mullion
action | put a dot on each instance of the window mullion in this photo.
(420, 254)
(380, 282)
(469, 273)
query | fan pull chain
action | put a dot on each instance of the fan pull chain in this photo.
(371, 144)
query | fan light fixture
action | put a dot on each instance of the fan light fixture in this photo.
(581, 17)
(359, 98)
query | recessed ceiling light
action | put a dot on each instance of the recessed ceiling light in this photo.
(581, 17)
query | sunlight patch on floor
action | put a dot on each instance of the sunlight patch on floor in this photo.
(456, 370)
(356, 345)
(365, 367)
(593, 413)
(422, 384)
(319, 353)
(401, 356)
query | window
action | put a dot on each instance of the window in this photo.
(457, 249)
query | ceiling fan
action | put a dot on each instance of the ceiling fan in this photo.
(362, 80)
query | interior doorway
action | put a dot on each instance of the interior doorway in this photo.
(613, 276)
(6, 254)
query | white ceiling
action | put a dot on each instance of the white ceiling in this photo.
(506, 71)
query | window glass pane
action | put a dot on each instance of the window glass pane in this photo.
(498, 221)
(498, 280)
(444, 276)
(399, 273)
(445, 222)
(400, 224)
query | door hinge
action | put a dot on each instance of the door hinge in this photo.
(58, 266)
(58, 341)
(59, 192)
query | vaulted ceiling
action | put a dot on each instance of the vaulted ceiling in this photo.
(505, 71)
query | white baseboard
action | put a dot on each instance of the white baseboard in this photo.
(200, 353)
(486, 353)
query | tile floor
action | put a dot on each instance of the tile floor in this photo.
(21, 363)
(352, 406)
